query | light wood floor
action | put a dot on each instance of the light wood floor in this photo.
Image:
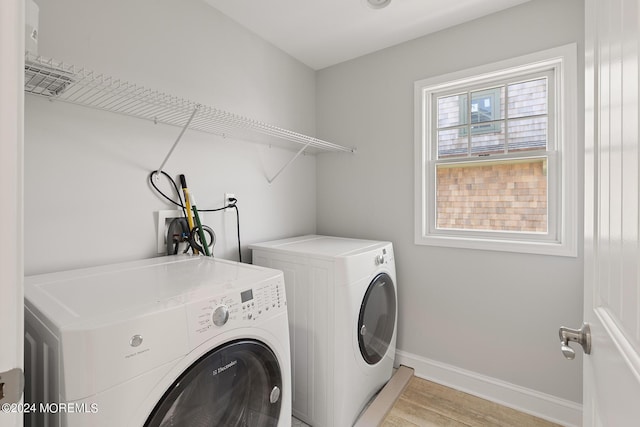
(427, 404)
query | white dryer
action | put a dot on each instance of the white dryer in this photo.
(342, 320)
(170, 341)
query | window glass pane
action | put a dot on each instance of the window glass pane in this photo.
(452, 110)
(528, 98)
(528, 134)
(452, 143)
(487, 105)
(487, 138)
(493, 196)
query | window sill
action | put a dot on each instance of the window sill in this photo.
(517, 246)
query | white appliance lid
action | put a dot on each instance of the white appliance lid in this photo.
(321, 245)
(137, 287)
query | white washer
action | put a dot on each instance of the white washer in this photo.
(342, 321)
(179, 340)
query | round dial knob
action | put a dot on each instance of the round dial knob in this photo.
(220, 315)
(379, 259)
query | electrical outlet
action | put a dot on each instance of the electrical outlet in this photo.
(164, 219)
(228, 196)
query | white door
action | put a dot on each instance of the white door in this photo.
(11, 270)
(612, 243)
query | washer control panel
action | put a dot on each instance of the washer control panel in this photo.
(259, 301)
(235, 308)
(220, 315)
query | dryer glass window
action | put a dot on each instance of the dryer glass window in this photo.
(377, 319)
(237, 384)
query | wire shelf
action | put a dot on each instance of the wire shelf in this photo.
(63, 82)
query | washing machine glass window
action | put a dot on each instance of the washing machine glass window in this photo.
(237, 384)
(377, 318)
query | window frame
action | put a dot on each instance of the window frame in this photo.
(561, 154)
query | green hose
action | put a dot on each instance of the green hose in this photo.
(200, 231)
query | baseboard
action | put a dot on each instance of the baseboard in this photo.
(542, 405)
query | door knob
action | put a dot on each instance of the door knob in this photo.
(582, 336)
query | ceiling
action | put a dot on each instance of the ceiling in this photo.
(321, 33)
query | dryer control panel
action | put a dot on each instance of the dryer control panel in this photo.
(243, 307)
(383, 257)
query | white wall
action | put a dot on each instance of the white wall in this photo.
(494, 314)
(87, 199)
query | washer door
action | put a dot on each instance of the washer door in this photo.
(238, 384)
(377, 319)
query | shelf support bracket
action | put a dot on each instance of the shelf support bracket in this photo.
(288, 163)
(184, 129)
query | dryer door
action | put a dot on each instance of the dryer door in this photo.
(237, 384)
(377, 319)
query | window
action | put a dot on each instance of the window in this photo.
(496, 156)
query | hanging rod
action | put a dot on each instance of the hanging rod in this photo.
(63, 82)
